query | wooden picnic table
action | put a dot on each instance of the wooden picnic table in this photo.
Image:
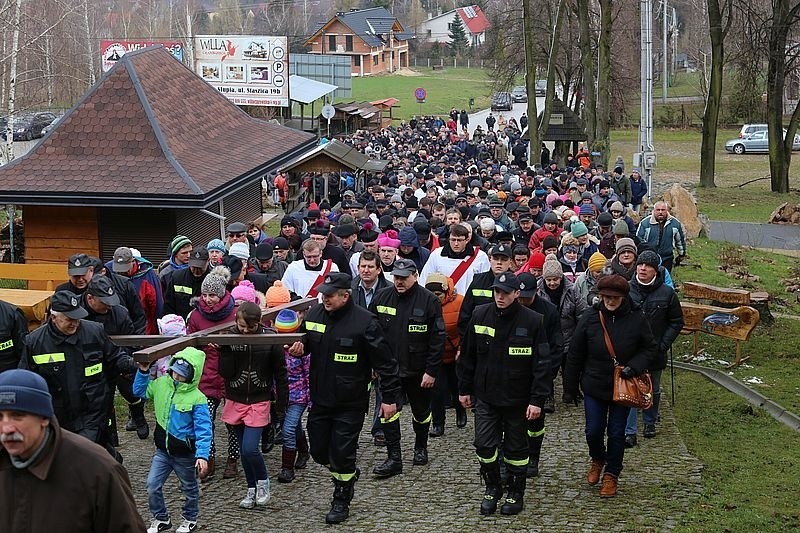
(32, 303)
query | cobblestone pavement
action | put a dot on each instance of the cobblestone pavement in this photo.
(659, 482)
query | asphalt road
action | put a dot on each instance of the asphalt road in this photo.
(479, 117)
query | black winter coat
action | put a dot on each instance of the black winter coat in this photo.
(589, 362)
(13, 330)
(480, 292)
(251, 370)
(664, 314)
(179, 287)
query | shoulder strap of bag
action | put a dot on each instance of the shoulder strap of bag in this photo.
(609, 346)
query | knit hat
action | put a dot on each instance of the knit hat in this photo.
(596, 262)
(621, 228)
(649, 257)
(177, 243)
(605, 220)
(245, 291)
(613, 285)
(549, 242)
(172, 325)
(278, 295)
(436, 282)
(286, 321)
(240, 250)
(578, 229)
(216, 244)
(551, 267)
(216, 281)
(389, 239)
(25, 391)
(551, 218)
(537, 260)
(586, 209)
(626, 244)
(617, 206)
(487, 224)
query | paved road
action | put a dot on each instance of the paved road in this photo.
(479, 117)
(659, 482)
(778, 236)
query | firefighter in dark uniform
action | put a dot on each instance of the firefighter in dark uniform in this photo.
(504, 373)
(180, 286)
(411, 318)
(345, 343)
(80, 365)
(555, 341)
(13, 330)
(102, 302)
(480, 290)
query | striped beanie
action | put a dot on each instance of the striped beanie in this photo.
(286, 321)
(177, 243)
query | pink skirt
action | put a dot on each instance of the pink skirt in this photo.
(254, 415)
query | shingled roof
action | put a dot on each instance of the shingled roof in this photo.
(371, 25)
(150, 133)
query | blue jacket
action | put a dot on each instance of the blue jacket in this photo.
(667, 243)
(638, 190)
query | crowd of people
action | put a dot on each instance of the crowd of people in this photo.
(459, 278)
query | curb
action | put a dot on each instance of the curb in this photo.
(778, 412)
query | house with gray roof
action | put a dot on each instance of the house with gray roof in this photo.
(373, 39)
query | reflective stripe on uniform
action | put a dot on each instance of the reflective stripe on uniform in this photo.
(183, 289)
(387, 310)
(519, 350)
(45, 358)
(418, 328)
(345, 357)
(426, 421)
(484, 330)
(315, 326)
(395, 417)
(487, 460)
(342, 477)
(516, 462)
(92, 370)
(482, 293)
(6, 345)
(536, 433)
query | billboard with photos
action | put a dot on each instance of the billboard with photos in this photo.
(112, 51)
(247, 69)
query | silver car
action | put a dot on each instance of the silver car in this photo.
(755, 143)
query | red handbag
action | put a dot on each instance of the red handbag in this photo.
(636, 391)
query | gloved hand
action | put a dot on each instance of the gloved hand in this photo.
(627, 372)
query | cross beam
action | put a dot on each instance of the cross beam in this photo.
(160, 345)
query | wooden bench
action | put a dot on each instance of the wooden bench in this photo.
(43, 276)
(743, 318)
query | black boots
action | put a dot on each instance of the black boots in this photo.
(490, 472)
(340, 506)
(288, 458)
(461, 417)
(138, 422)
(516, 491)
(302, 451)
(534, 451)
(421, 431)
(393, 464)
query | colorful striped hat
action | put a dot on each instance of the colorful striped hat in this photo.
(286, 321)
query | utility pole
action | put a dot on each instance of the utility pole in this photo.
(189, 44)
(646, 158)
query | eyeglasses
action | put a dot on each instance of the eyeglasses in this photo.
(457, 239)
(236, 234)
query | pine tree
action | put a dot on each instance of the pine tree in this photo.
(459, 44)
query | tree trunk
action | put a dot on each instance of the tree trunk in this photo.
(551, 67)
(587, 64)
(602, 142)
(708, 144)
(534, 146)
(12, 81)
(89, 46)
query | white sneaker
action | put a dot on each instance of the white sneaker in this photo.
(157, 526)
(249, 501)
(187, 526)
(262, 491)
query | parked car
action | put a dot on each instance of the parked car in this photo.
(502, 102)
(749, 129)
(755, 143)
(28, 127)
(519, 94)
(541, 87)
(52, 125)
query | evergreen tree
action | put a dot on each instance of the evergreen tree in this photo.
(459, 44)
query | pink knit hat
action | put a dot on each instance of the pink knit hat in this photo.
(245, 291)
(389, 239)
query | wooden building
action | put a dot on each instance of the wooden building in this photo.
(151, 151)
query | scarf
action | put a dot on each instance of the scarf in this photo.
(220, 311)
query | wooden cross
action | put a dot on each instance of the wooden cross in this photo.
(160, 345)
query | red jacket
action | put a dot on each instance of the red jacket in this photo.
(538, 237)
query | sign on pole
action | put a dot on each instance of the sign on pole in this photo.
(420, 94)
(247, 69)
(112, 51)
(328, 111)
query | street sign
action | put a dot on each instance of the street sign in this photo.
(328, 111)
(420, 93)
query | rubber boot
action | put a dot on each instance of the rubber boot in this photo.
(302, 451)
(288, 458)
(138, 419)
(340, 506)
(421, 442)
(210, 471)
(516, 492)
(394, 462)
(231, 468)
(534, 452)
(490, 472)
